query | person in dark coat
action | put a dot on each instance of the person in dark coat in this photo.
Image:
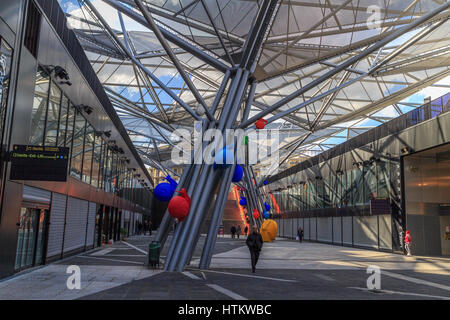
(238, 231)
(254, 243)
(246, 230)
(233, 231)
(300, 234)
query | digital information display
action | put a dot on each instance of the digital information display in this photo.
(39, 163)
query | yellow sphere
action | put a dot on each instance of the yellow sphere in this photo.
(269, 230)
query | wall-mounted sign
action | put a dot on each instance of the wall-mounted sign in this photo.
(380, 206)
(39, 163)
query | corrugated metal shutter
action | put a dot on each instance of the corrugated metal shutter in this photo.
(77, 211)
(91, 224)
(36, 195)
(56, 229)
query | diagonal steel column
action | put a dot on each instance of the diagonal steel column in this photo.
(184, 237)
(216, 218)
(211, 176)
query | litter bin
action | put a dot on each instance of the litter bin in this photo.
(153, 253)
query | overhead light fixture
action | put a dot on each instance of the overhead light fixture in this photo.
(60, 73)
(87, 109)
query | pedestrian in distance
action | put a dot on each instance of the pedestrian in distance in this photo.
(408, 242)
(300, 234)
(254, 243)
(246, 230)
(233, 231)
(238, 231)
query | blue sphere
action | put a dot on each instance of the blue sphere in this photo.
(163, 191)
(265, 182)
(265, 214)
(223, 159)
(243, 201)
(267, 206)
(238, 173)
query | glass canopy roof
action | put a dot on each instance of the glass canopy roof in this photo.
(305, 40)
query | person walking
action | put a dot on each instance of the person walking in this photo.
(408, 242)
(238, 231)
(246, 230)
(300, 234)
(233, 231)
(254, 243)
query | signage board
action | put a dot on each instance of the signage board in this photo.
(40, 163)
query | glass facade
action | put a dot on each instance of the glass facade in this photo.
(57, 122)
(354, 187)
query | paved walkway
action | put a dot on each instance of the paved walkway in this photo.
(286, 270)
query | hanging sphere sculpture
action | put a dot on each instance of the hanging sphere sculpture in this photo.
(261, 123)
(179, 205)
(265, 182)
(265, 214)
(164, 191)
(238, 173)
(267, 206)
(255, 213)
(243, 201)
(269, 230)
(223, 159)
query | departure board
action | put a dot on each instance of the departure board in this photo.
(42, 163)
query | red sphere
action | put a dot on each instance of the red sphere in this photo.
(261, 123)
(255, 214)
(179, 205)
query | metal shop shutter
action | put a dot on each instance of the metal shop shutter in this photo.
(77, 212)
(56, 229)
(33, 195)
(91, 224)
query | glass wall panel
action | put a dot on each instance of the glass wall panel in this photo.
(63, 122)
(347, 196)
(370, 182)
(77, 146)
(383, 178)
(52, 123)
(39, 108)
(70, 125)
(5, 76)
(88, 151)
(320, 193)
(358, 187)
(108, 173)
(96, 162)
